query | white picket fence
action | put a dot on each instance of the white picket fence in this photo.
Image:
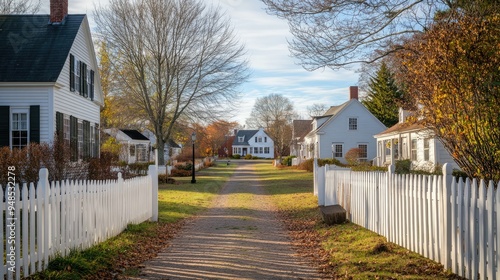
(455, 224)
(58, 217)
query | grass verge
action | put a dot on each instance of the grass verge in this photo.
(122, 255)
(344, 251)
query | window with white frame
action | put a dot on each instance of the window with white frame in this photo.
(77, 75)
(266, 150)
(363, 152)
(241, 138)
(426, 149)
(259, 139)
(261, 150)
(413, 149)
(66, 128)
(92, 142)
(132, 150)
(142, 152)
(337, 149)
(353, 123)
(19, 128)
(80, 140)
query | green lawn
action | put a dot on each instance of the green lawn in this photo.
(124, 252)
(346, 251)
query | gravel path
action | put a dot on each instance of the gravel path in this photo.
(239, 237)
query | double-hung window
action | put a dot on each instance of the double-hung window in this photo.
(337, 150)
(353, 123)
(413, 149)
(20, 129)
(426, 149)
(363, 152)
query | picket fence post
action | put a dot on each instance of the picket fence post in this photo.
(446, 224)
(319, 176)
(391, 169)
(153, 173)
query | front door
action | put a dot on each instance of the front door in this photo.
(244, 152)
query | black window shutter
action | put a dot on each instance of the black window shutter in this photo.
(91, 85)
(35, 124)
(84, 80)
(71, 72)
(4, 126)
(73, 136)
(60, 126)
(86, 139)
(96, 141)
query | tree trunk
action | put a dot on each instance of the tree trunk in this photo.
(160, 145)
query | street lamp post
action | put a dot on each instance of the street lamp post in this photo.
(193, 179)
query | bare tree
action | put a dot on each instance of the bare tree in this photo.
(173, 58)
(317, 109)
(19, 6)
(336, 34)
(274, 113)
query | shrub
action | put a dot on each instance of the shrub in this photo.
(180, 173)
(330, 161)
(403, 166)
(100, 168)
(237, 156)
(184, 166)
(352, 156)
(248, 156)
(307, 165)
(459, 174)
(165, 179)
(287, 161)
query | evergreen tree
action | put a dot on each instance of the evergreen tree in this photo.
(383, 97)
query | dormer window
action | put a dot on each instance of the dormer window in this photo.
(241, 138)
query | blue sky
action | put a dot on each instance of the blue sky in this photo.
(272, 68)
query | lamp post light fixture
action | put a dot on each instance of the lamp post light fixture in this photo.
(193, 138)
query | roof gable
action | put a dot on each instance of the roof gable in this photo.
(246, 134)
(345, 108)
(32, 50)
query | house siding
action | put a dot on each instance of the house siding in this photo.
(443, 156)
(72, 103)
(337, 131)
(24, 97)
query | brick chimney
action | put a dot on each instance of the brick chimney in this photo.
(353, 92)
(58, 10)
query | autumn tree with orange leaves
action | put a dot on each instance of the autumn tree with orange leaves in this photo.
(452, 72)
(215, 134)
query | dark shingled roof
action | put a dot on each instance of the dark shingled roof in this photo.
(134, 134)
(245, 133)
(32, 50)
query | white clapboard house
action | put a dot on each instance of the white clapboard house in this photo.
(49, 81)
(254, 142)
(344, 127)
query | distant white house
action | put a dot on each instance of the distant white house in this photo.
(411, 141)
(254, 142)
(135, 147)
(343, 128)
(171, 149)
(49, 81)
(300, 128)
